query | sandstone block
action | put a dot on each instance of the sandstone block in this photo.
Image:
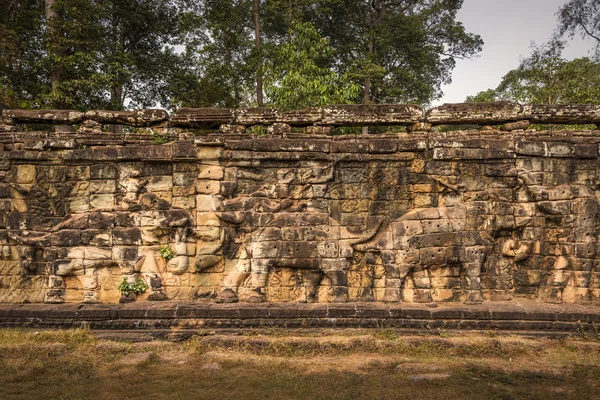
(208, 187)
(212, 172)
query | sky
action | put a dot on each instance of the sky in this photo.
(507, 27)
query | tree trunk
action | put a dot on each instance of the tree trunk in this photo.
(116, 98)
(258, 44)
(55, 47)
(367, 83)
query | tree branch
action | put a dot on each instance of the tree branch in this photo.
(587, 31)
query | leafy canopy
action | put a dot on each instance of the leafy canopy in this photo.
(546, 78)
(580, 17)
(299, 75)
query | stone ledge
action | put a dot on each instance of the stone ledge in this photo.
(516, 116)
(501, 316)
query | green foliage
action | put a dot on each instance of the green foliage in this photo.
(299, 75)
(100, 52)
(160, 139)
(580, 17)
(167, 252)
(22, 32)
(127, 289)
(405, 49)
(484, 96)
(258, 130)
(546, 78)
(187, 53)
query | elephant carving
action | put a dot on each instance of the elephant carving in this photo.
(567, 238)
(426, 239)
(314, 243)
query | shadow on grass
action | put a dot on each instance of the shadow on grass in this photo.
(74, 365)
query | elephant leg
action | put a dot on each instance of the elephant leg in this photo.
(395, 277)
(473, 282)
(339, 285)
(555, 282)
(233, 280)
(259, 274)
(312, 279)
(422, 282)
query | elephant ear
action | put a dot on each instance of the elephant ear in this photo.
(206, 261)
(234, 218)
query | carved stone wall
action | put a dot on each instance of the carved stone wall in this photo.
(292, 217)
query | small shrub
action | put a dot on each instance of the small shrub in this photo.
(258, 130)
(128, 288)
(167, 253)
(159, 139)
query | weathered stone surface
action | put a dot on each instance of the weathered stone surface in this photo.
(133, 118)
(513, 126)
(202, 117)
(181, 319)
(257, 116)
(474, 113)
(380, 114)
(234, 121)
(419, 127)
(42, 116)
(305, 117)
(421, 217)
(562, 114)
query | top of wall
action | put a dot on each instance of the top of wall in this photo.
(412, 116)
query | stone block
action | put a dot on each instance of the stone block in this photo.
(103, 186)
(99, 171)
(25, 173)
(102, 201)
(208, 187)
(127, 236)
(211, 172)
(209, 153)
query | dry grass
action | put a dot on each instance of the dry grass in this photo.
(297, 365)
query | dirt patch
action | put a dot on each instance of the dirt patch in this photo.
(136, 358)
(429, 377)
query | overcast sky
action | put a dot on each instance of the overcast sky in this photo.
(507, 28)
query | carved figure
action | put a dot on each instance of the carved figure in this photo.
(167, 221)
(569, 238)
(298, 240)
(425, 239)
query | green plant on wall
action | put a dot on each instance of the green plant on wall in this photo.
(167, 253)
(127, 289)
(300, 76)
(159, 139)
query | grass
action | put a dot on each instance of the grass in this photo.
(73, 364)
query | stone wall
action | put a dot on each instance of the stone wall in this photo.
(297, 215)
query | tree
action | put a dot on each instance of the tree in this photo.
(240, 39)
(92, 53)
(22, 32)
(546, 78)
(485, 96)
(580, 17)
(299, 75)
(116, 50)
(398, 51)
(401, 51)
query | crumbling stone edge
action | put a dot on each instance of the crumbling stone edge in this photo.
(415, 118)
(516, 316)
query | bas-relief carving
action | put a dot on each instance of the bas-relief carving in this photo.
(305, 232)
(116, 233)
(458, 240)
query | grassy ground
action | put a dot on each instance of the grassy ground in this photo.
(296, 365)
